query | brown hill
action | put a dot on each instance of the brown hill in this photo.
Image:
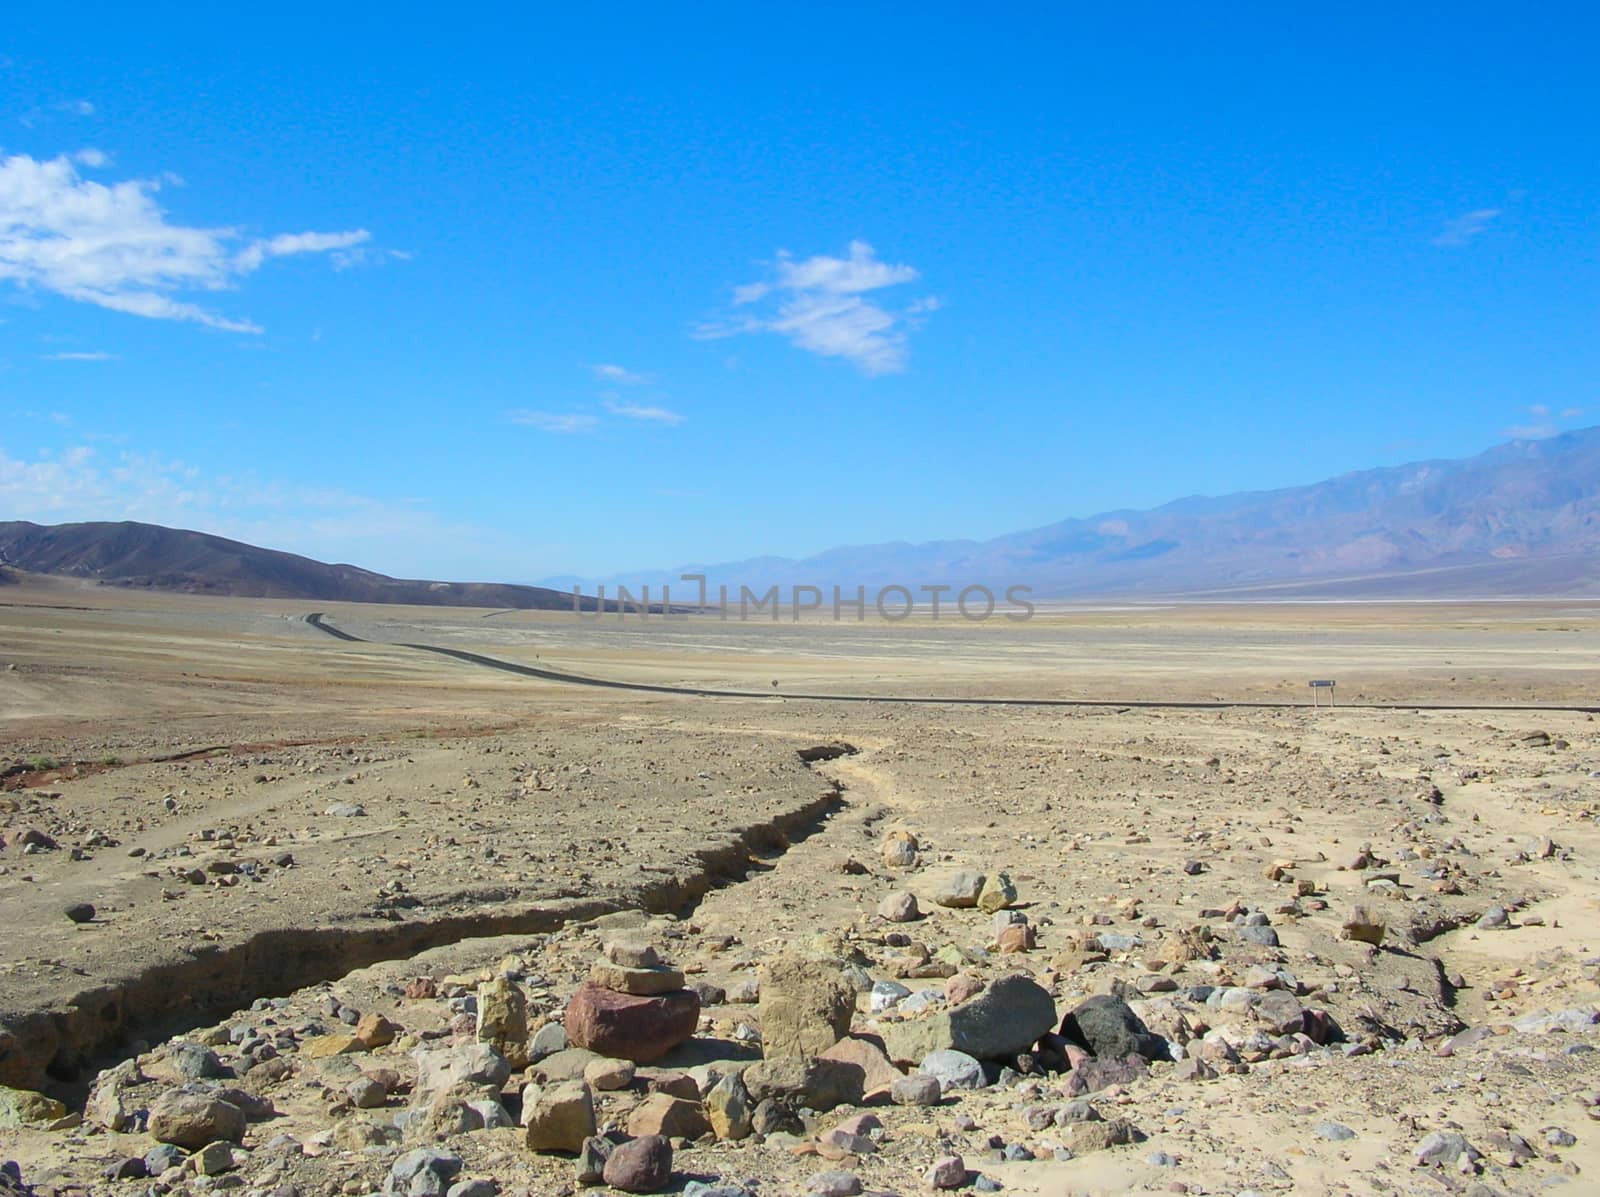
(157, 558)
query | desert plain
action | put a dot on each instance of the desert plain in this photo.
(307, 916)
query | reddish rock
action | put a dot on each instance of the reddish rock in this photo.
(866, 1060)
(1018, 937)
(628, 1027)
(663, 1114)
(642, 1165)
(1100, 1072)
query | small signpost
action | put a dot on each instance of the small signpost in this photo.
(1317, 688)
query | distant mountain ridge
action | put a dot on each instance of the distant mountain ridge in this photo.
(152, 557)
(1520, 518)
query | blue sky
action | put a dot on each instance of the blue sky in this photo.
(532, 292)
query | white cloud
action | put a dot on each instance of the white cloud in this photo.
(640, 411)
(92, 157)
(1571, 413)
(79, 357)
(620, 376)
(552, 421)
(114, 247)
(817, 303)
(1463, 229)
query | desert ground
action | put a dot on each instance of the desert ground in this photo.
(307, 916)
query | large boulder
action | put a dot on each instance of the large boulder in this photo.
(1107, 1026)
(23, 1107)
(867, 1065)
(191, 1117)
(1005, 1019)
(558, 1117)
(630, 1026)
(794, 1081)
(806, 1006)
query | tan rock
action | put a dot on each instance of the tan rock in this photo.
(503, 1019)
(642, 982)
(320, 1047)
(806, 1006)
(607, 1075)
(559, 1118)
(376, 1031)
(674, 1117)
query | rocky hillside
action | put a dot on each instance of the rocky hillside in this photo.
(157, 558)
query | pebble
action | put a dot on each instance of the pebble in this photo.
(80, 912)
(1336, 1132)
(833, 1183)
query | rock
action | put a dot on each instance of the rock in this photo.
(960, 987)
(1363, 927)
(628, 1026)
(163, 1156)
(900, 906)
(23, 1107)
(591, 1162)
(1280, 1013)
(1445, 1147)
(728, 1108)
(376, 1031)
(643, 1165)
(196, 1062)
(547, 1041)
(192, 1117)
(960, 890)
(1260, 935)
(1018, 937)
(708, 993)
(607, 1075)
(899, 849)
(869, 1071)
(632, 955)
(642, 982)
(806, 1006)
(1097, 1136)
(491, 1114)
(998, 893)
(886, 995)
(744, 991)
(442, 1069)
(477, 1187)
(953, 1070)
(796, 1081)
(1493, 919)
(835, 1183)
(1334, 1132)
(503, 1019)
(109, 1103)
(568, 1065)
(80, 912)
(214, 1159)
(1004, 1020)
(1101, 1072)
(560, 1117)
(423, 1173)
(323, 1047)
(696, 1188)
(674, 1084)
(365, 1093)
(948, 1172)
(918, 1089)
(1107, 1026)
(773, 1117)
(663, 1114)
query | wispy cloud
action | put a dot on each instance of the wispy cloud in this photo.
(818, 304)
(620, 376)
(553, 421)
(79, 357)
(1542, 423)
(640, 411)
(1464, 229)
(114, 246)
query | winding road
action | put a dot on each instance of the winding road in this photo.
(318, 620)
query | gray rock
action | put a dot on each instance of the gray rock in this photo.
(195, 1062)
(833, 1183)
(886, 995)
(1445, 1147)
(1336, 1132)
(1493, 919)
(192, 1117)
(590, 1165)
(547, 1041)
(953, 1070)
(1263, 936)
(477, 1187)
(1006, 1018)
(960, 890)
(163, 1156)
(423, 1173)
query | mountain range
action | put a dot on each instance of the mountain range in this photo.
(1522, 518)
